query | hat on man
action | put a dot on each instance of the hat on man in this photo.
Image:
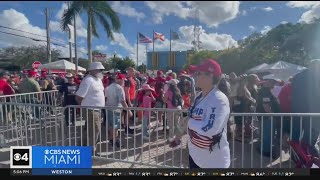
(146, 87)
(159, 72)
(210, 66)
(96, 66)
(151, 80)
(120, 76)
(69, 75)
(80, 74)
(4, 73)
(32, 73)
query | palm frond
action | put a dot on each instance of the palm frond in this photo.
(105, 24)
(75, 9)
(105, 9)
(94, 26)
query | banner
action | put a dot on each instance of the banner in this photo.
(52, 160)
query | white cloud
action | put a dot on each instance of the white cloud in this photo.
(17, 20)
(267, 9)
(126, 10)
(244, 37)
(209, 41)
(311, 15)
(210, 13)
(101, 47)
(244, 13)
(265, 30)
(284, 22)
(302, 4)
(313, 12)
(252, 28)
(81, 30)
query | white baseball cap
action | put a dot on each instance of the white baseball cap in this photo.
(96, 66)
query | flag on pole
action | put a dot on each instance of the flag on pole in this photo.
(158, 36)
(174, 36)
(71, 30)
(144, 39)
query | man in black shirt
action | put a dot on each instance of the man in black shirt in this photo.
(267, 103)
(69, 89)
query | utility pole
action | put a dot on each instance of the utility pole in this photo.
(48, 36)
(75, 43)
(70, 43)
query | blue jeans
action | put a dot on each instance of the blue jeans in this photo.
(145, 127)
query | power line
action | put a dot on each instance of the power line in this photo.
(38, 40)
(30, 33)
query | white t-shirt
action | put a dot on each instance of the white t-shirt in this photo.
(115, 95)
(210, 117)
(91, 90)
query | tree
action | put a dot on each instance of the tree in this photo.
(96, 11)
(24, 56)
(142, 68)
(83, 63)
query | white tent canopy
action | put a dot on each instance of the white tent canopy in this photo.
(282, 70)
(61, 64)
(258, 68)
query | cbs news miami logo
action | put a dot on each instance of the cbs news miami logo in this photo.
(21, 157)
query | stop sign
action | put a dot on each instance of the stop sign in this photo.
(36, 64)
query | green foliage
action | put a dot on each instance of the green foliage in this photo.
(118, 63)
(24, 56)
(293, 43)
(142, 68)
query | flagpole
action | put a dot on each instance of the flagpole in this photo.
(170, 52)
(153, 57)
(137, 49)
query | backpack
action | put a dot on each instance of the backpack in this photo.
(176, 100)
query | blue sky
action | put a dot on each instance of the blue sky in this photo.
(222, 23)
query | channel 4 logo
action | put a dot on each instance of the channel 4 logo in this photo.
(20, 157)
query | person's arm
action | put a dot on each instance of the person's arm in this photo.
(152, 97)
(165, 98)
(122, 100)
(83, 90)
(126, 91)
(38, 89)
(216, 116)
(53, 86)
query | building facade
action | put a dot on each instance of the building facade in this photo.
(161, 60)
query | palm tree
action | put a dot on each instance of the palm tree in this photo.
(96, 11)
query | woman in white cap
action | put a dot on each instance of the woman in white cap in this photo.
(208, 118)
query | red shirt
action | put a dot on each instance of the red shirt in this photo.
(131, 84)
(285, 98)
(5, 88)
(159, 81)
(77, 81)
(105, 81)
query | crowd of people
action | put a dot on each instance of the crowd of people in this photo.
(207, 94)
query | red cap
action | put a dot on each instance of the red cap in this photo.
(209, 66)
(32, 73)
(120, 76)
(159, 72)
(151, 80)
(192, 68)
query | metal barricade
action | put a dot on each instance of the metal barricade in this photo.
(52, 98)
(23, 124)
(116, 146)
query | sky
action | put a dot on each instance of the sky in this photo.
(221, 24)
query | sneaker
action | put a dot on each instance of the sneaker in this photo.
(128, 131)
(175, 143)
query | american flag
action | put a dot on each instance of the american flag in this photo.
(144, 39)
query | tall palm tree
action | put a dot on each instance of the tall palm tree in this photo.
(96, 11)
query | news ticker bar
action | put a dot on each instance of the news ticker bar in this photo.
(161, 172)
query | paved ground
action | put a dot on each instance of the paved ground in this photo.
(136, 153)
